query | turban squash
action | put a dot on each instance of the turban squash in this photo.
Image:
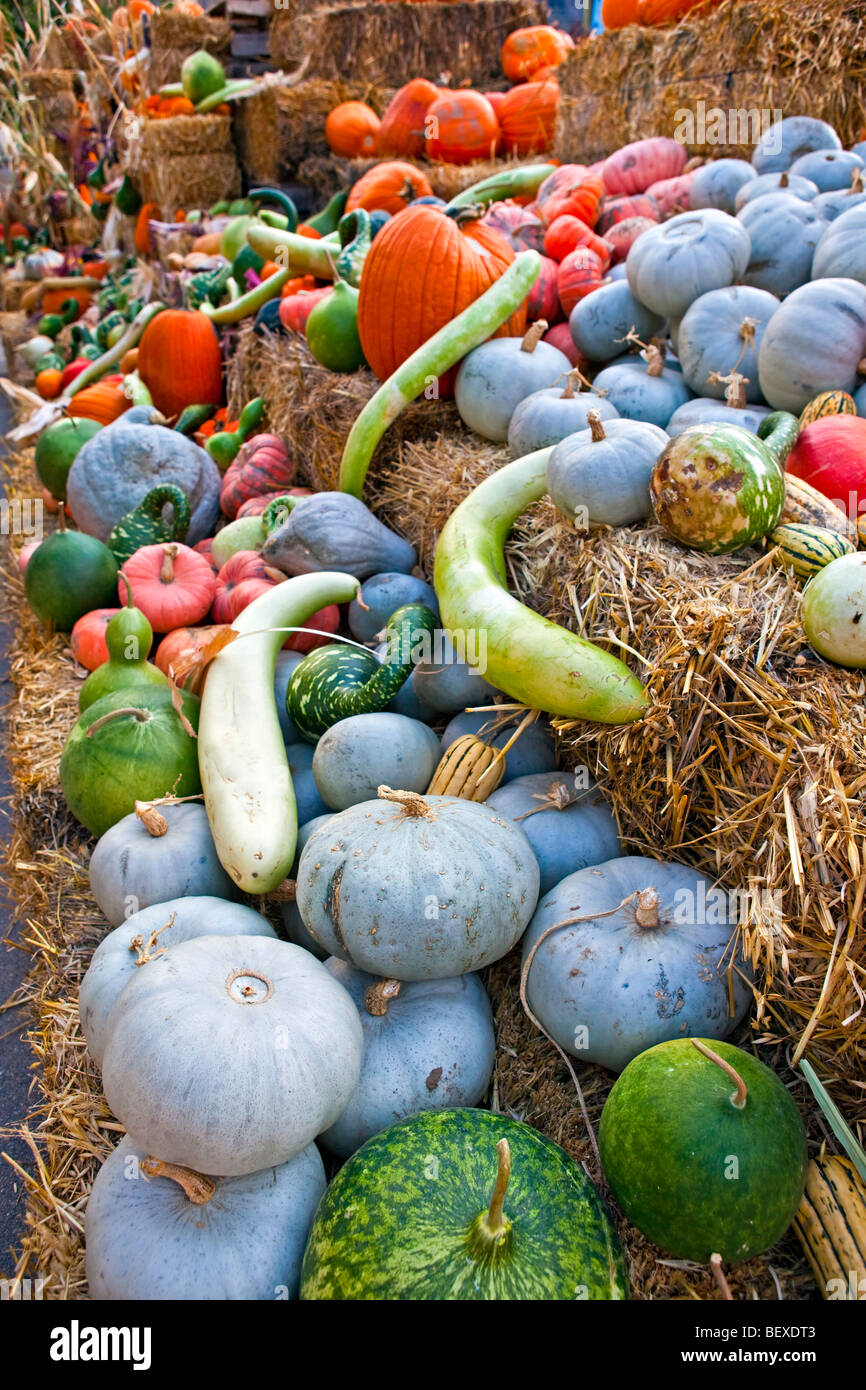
(425, 267)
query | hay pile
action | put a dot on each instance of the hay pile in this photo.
(53, 93)
(283, 125)
(188, 161)
(387, 44)
(324, 173)
(173, 36)
(763, 56)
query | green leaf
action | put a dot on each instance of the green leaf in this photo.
(836, 1120)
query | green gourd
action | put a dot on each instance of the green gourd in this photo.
(332, 330)
(336, 682)
(146, 524)
(208, 285)
(53, 324)
(128, 638)
(328, 220)
(192, 417)
(224, 446)
(356, 238)
(109, 329)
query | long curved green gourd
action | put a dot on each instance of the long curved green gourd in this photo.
(532, 659)
(146, 525)
(280, 200)
(245, 774)
(336, 682)
(439, 354)
(302, 255)
(522, 182)
(356, 238)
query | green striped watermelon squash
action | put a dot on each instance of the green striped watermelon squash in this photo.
(807, 549)
(462, 1205)
(718, 487)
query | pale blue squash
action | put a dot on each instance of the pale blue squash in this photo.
(428, 1045)
(292, 922)
(307, 797)
(784, 232)
(813, 343)
(716, 185)
(832, 205)
(766, 184)
(604, 480)
(569, 825)
(381, 596)
(494, 378)
(447, 682)
(842, 249)
(639, 391)
(790, 138)
(706, 410)
(286, 663)
(715, 335)
(357, 755)
(545, 417)
(829, 170)
(671, 265)
(600, 322)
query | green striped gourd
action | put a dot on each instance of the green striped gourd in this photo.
(827, 403)
(336, 682)
(807, 549)
(146, 524)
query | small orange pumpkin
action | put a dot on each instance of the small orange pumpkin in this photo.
(87, 638)
(351, 130)
(527, 117)
(49, 383)
(401, 132)
(525, 51)
(172, 584)
(461, 126)
(147, 212)
(104, 401)
(389, 187)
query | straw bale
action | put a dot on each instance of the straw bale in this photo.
(761, 55)
(53, 91)
(280, 127)
(174, 36)
(175, 136)
(193, 180)
(386, 44)
(324, 173)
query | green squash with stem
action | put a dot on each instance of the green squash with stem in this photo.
(129, 638)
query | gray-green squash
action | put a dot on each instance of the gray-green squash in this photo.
(601, 475)
(671, 265)
(721, 333)
(356, 755)
(567, 821)
(333, 531)
(494, 378)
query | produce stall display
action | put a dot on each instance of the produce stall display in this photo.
(440, 669)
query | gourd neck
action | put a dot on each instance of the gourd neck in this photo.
(380, 995)
(596, 428)
(490, 1233)
(413, 805)
(142, 716)
(739, 1096)
(646, 914)
(533, 335)
(196, 1186)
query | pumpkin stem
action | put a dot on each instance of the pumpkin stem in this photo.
(379, 996)
(655, 360)
(496, 1223)
(735, 391)
(861, 367)
(533, 335)
(596, 428)
(738, 1097)
(413, 804)
(154, 823)
(559, 798)
(747, 334)
(783, 179)
(646, 914)
(144, 950)
(719, 1275)
(576, 378)
(143, 716)
(198, 1188)
(166, 574)
(857, 181)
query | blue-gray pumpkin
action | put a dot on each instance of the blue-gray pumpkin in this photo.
(156, 1233)
(568, 822)
(765, 184)
(644, 390)
(547, 416)
(784, 232)
(790, 138)
(813, 343)
(132, 866)
(308, 799)
(654, 969)
(600, 322)
(333, 531)
(842, 248)
(143, 938)
(716, 185)
(428, 1045)
(722, 332)
(832, 205)
(286, 663)
(494, 378)
(829, 170)
(671, 265)
(706, 410)
(417, 888)
(380, 596)
(600, 477)
(356, 755)
(446, 682)
(292, 922)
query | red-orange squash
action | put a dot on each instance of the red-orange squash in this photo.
(104, 401)
(389, 187)
(180, 649)
(87, 638)
(527, 117)
(242, 578)
(401, 132)
(147, 212)
(351, 130)
(616, 14)
(173, 585)
(262, 465)
(180, 362)
(580, 197)
(461, 126)
(830, 455)
(579, 274)
(566, 233)
(423, 269)
(525, 51)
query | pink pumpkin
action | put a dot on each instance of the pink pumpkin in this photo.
(243, 577)
(634, 167)
(580, 273)
(616, 210)
(560, 336)
(673, 195)
(623, 235)
(296, 308)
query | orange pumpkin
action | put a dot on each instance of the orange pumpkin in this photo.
(53, 300)
(351, 130)
(129, 361)
(401, 132)
(49, 383)
(180, 651)
(104, 401)
(180, 362)
(527, 117)
(389, 187)
(146, 213)
(527, 50)
(668, 11)
(461, 126)
(172, 584)
(424, 268)
(87, 638)
(581, 272)
(616, 14)
(208, 244)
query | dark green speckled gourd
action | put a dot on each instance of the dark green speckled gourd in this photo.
(336, 681)
(146, 524)
(462, 1205)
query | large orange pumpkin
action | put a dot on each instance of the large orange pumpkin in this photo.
(389, 187)
(180, 362)
(527, 117)
(616, 14)
(668, 11)
(401, 132)
(103, 402)
(461, 126)
(422, 269)
(351, 130)
(527, 50)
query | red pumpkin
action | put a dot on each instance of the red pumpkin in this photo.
(295, 309)
(543, 299)
(522, 229)
(525, 51)
(527, 117)
(830, 455)
(560, 336)
(461, 126)
(623, 236)
(634, 167)
(579, 274)
(352, 129)
(242, 578)
(423, 269)
(103, 402)
(173, 585)
(673, 195)
(566, 233)
(87, 638)
(389, 187)
(180, 362)
(580, 197)
(254, 506)
(564, 176)
(262, 465)
(616, 210)
(205, 548)
(496, 99)
(72, 370)
(326, 621)
(401, 132)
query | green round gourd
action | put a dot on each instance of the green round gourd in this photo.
(67, 575)
(718, 488)
(425, 1210)
(332, 330)
(128, 637)
(335, 682)
(834, 603)
(56, 451)
(201, 75)
(695, 1172)
(139, 753)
